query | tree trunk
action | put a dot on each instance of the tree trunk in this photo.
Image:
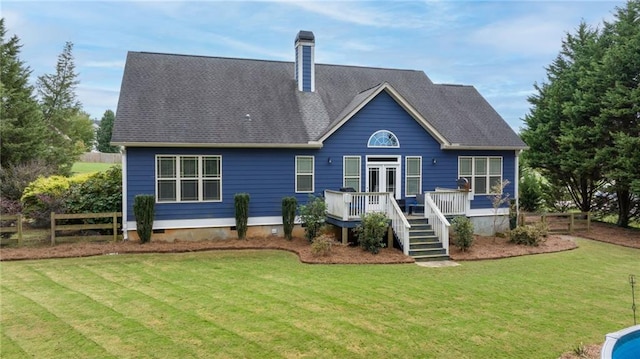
(624, 207)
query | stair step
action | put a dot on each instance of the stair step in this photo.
(421, 233)
(431, 258)
(426, 239)
(426, 252)
(425, 245)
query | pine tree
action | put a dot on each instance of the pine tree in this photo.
(60, 108)
(22, 130)
(103, 137)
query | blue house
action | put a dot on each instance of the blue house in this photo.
(196, 130)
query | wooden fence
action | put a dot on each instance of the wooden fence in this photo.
(114, 226)
(559, 222)
(12, 224)
(15, 224)
(101, 157)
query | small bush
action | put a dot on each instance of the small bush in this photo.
(462, 232)
(313, 216)
(371, 231)
(241, 201)
(321, 246)
(144, 211)
(289, 205)
(530, 235)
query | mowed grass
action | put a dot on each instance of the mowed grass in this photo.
(266, 304)
(88, 167)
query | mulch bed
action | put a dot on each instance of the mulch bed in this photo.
(483, 248)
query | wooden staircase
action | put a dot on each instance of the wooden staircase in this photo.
(424, 245)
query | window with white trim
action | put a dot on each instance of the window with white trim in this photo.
(351, 172)
(304, 174)
(481, 172)
(188, 178)
(383, 138)
(413, 175)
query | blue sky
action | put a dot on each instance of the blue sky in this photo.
(500, 47)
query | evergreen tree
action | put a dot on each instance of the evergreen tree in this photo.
(22, 130)
(620, 117)
(60, 109)
(559, 128)
(103, 136)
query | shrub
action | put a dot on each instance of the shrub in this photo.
(241, 201)
(313, 215)
(530, 234)
(144, 211)
(462, 232)
(46, 195)
(101, 192)
(289, 205)
(530, 192)
(321, 246)
(371, 231)
(15, 178)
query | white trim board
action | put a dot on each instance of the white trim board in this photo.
(210, 223)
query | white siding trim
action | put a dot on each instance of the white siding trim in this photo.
(209, 223)
(483, 212)
(124, 194)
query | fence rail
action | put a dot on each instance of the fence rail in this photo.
(114, 225)
(559, 222)
(6, 225)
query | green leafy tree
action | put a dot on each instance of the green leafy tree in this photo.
(61, 110)
(22, 130)
(103, 136)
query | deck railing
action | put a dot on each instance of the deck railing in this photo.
(399, 224)
(349, 206)
(437, 220)
(451, 202)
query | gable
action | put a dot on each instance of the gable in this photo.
(364, 98)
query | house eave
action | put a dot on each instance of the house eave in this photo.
(456, 146)
(310, 144)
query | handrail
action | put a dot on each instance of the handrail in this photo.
(437, 220)
(399, 223)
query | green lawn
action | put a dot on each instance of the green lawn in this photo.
(265, 304)
(86, 167)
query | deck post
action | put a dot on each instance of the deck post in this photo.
(53, 228)
(19, 225)
(345, 235)
(389, 237)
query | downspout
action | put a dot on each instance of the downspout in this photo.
(125, 232)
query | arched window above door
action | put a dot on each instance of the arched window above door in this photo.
(383, 138)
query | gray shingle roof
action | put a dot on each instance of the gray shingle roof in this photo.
(194, 100)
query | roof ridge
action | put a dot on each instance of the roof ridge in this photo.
(208, 56)
(454, 85)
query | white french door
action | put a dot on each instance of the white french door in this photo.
(383, 175)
